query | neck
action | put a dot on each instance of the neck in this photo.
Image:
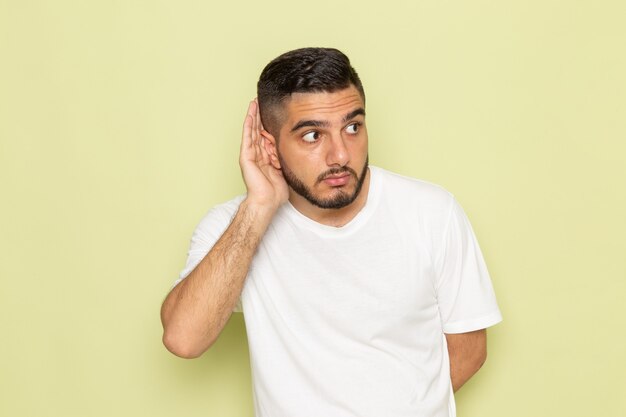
(332, 217)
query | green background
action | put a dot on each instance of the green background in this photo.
(120, 124)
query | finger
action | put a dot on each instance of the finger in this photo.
(265, 153)
(259, 125)
(246, 137)
(250, 112)
(253, 112)
(259, 149)
(256, 138)
(252, 108)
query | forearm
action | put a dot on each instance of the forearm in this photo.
(467, 353)
(461, 372)
(198, 308)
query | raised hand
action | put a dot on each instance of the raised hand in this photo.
(196, 310)
(265, 183)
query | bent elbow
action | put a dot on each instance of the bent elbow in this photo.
(182, 348)
(480, 359)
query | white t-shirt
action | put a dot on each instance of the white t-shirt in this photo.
(350, 321)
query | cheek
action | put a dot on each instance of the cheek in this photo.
(302, 160)
(312, 163)
(359, 147)
(306, 155)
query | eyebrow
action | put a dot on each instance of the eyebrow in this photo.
(321, 123)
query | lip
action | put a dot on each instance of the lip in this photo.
(337, 180)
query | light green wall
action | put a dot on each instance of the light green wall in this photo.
(119, 128)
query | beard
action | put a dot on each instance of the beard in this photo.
(339, 200)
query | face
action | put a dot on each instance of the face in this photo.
(322, 149)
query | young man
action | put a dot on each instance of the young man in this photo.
(365, 292)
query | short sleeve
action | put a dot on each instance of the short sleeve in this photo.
(465, 293)
(206, 234)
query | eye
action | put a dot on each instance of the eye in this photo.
(311, 137)
(353, 128)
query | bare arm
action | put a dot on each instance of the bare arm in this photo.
(197, 309)
(468, 352)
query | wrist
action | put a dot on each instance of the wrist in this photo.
(259, 209)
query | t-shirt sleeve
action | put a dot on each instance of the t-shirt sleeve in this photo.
(465, 293)
(206, 234)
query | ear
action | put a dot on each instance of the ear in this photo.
(269, 143)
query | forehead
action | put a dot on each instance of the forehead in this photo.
(323, 106)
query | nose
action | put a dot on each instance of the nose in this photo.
(337, 154)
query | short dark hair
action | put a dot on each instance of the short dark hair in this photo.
(305, 70)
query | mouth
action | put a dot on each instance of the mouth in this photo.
(337, 180)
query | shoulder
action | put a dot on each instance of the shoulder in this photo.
(229, 207)
(413, 192)
(220, 215)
